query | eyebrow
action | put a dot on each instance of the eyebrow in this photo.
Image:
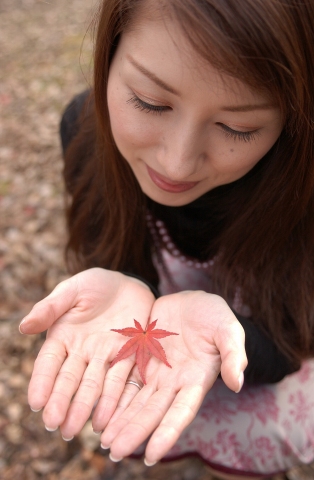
(168, 88)
(153, 77)
(248, 108)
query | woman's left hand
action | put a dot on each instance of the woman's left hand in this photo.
(211, 340)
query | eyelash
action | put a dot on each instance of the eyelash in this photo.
(229, 132)
(237, 135)
(146, 107)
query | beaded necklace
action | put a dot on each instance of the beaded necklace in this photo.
(162, 240)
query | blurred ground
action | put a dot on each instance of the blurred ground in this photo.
(43, 64)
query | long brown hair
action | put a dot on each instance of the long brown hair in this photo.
(267, 245)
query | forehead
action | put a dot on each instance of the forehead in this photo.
(161, 46)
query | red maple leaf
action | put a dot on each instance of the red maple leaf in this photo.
(144, 344)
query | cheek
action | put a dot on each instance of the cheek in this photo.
(242, 157)
(235, 161)
(237, 157)
(129, 127)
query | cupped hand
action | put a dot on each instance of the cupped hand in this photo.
(72, 371)
(210, 341)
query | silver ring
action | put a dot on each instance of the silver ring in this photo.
(134, 383)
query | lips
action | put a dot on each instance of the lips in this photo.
(168, 185)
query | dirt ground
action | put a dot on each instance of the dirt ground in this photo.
(43, 63)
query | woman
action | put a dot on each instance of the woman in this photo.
(190, 170)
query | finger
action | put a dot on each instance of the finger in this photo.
(46, 368)
(230, 340)
(134, 408)
(48, 310)
(140, 426)
(113, 388)
(133, 386)
(66, 384)
(128, 395)
(181, 413)
(88, 392)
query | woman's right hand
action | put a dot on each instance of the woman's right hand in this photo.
(72, 371)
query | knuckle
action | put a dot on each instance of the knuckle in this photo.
(129, 392)
(80, 405)
(51, 310)
(68, 376)
(90, 383)
(185, 410)
(47, 360)
(76, 355)
(57, 393)
(49, 355)
(138, 426)
(99, 361)
(116, 379)
(138, 403)
(170, 428)
(105, 396)
(155, 408)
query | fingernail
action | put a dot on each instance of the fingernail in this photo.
(241, 381)
(149, 464)
(104, 447)
(20, 327)
(115, 459)
(35, 411)
(97, 433)
(51, 429)
(67, 439)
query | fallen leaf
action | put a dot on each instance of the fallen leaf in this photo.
(144, 344)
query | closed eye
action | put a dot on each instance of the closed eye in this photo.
(147, 107)
(237, 134)
(229, 132)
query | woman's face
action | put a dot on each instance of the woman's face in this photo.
(183, 127)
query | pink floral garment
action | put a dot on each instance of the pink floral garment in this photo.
(264, 429)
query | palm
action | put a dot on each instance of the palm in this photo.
(79, 348)
(210, 340)
(194, 359)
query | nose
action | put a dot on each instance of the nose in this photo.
(182, 152)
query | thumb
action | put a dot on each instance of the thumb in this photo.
(51, 308)
(230, 342)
